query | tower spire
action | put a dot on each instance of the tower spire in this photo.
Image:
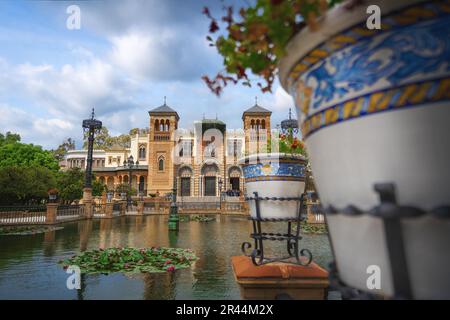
(164, 100)
(256, 100)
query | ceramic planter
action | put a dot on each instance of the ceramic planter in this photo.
(374, 107)
(274, 175)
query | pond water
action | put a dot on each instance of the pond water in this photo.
(29, 264)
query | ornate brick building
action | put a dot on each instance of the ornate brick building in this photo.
(202, 162)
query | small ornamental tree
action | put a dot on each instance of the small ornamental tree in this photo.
(256, 36)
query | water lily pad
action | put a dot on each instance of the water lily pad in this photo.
(202, 218)
(132, 260)
(26, 230)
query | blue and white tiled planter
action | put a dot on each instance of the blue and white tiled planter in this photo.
(274, 175)
(374, 107)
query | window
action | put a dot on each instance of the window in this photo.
(142, 152)
(185, 186)
(161, 164)
(234, 147)
(210, 186)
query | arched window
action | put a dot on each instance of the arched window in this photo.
(167, 125)
(142, 152)
(257, 125)
(263, 124)
(161, 164)
(156, 125)
(252, 124)
(161, 125)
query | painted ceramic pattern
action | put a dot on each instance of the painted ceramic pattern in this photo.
(272, 170)
(360, 71)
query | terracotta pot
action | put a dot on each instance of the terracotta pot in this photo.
(374, 107)
(274, 175)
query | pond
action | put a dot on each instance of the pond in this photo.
(29, 264)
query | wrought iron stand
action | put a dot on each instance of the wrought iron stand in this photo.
(292, 237)
(391, 214)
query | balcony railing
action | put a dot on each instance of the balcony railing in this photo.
(161, 136)
(22, 214)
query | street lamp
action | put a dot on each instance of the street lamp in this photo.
(89, 126)
(173, 213)
(130, 164)
(220, 191)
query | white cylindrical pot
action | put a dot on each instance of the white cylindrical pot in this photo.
(274, 175)
(374, 107)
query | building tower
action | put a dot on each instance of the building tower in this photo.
(257, 129)
(163, 123)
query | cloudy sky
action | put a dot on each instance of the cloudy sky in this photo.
(124, 59)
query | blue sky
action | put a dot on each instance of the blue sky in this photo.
(125, 58)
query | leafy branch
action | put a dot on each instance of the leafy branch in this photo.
(256, 40)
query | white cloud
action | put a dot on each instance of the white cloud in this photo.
(282, 101)
(32, 129)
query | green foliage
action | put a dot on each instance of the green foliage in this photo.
(311, 228)
(70, 184)
(153, 259)
(61, 151)
(125, 188)
(257, 40)
(97, 188)
(26, 230)
(20, 154)
(202, 218)
(289, 143)
(104, 141)
(25, 185)
(9, 138)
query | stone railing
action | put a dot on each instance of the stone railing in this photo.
(69, 212)
(14, 215)
(314, 212)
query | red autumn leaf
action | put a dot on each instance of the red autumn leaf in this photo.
(213, 27)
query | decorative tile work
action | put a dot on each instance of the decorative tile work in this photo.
(427, 92)
(362, 72)
(274, 171)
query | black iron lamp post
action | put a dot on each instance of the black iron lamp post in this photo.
(90, 126)
(173, 213)
(289, 126)
(130, 164)
(220, 191)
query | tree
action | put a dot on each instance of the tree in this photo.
(61, 151)
(102, 139)
(125, 188)
(25, 185)
(9, 138)
(97, 188)
(70, 184)
(28, 155)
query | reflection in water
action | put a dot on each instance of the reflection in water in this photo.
(29, 264)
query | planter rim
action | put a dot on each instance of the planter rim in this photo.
(270, 156)
(334, 21)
